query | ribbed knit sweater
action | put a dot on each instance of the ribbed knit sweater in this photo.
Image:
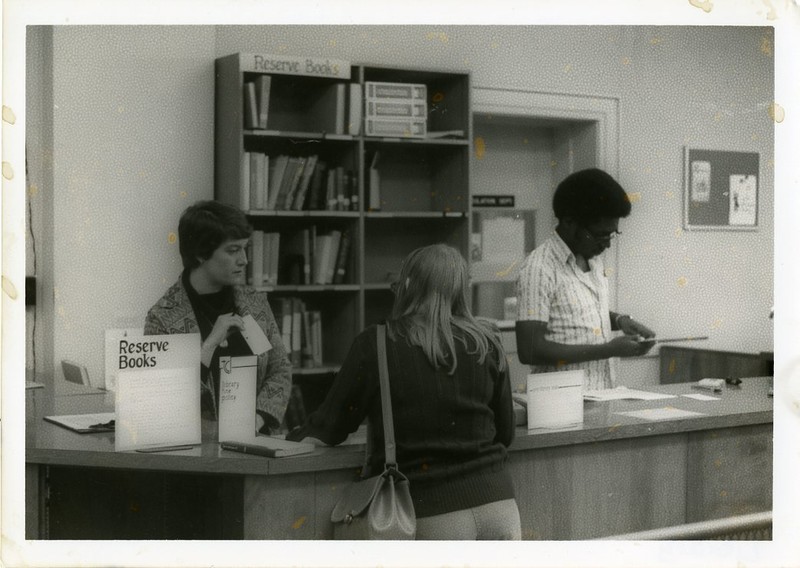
(451, 430)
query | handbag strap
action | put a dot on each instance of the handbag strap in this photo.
(386, 399)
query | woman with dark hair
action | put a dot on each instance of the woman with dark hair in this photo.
(210, 298)
(451, 401)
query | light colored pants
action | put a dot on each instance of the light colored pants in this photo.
(493, 521)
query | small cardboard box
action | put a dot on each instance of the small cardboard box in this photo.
(555, 400)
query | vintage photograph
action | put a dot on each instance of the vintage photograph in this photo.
(442, 282)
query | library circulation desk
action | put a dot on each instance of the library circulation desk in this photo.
(615, 474)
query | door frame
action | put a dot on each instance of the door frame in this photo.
(603, 111)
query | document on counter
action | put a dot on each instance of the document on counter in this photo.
(699, 396)
(666, 413)
(158, 408)
(623, 393)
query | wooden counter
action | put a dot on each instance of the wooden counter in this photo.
(612, 475)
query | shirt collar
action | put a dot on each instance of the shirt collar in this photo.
(563, 252)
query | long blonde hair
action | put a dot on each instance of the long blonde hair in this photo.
(431, 301)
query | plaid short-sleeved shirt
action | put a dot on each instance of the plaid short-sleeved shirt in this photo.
(552, 288)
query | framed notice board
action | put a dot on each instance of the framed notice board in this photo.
(720, 190)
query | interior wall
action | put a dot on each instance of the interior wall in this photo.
(133, 139)
(133, 145)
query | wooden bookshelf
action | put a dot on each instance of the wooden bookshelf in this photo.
(424, 182)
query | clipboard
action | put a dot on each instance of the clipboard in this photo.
(672, 339)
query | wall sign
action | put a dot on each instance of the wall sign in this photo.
(720, 190)
(493, 201)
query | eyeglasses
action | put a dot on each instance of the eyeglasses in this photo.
(601, 237)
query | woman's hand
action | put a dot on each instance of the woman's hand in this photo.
(223, 327)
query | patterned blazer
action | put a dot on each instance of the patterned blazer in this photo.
(173, 313)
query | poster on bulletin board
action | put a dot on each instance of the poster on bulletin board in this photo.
(721, 190)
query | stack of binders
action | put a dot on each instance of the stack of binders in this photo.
(396, 109)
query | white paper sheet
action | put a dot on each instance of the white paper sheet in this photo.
(699, 396)
(158, 408)
(623, 393)
(254, 336)
(742, 195)
(237, 398)
(666, 413)
(701, 181)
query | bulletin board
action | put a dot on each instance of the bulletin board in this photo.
(720, 190)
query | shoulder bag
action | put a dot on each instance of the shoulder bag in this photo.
(380, 507)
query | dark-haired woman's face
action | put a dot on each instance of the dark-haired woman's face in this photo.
(226, 265)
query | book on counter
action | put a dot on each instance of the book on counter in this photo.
(85, 423)
(268, 446)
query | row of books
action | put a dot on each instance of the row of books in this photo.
(305, 257)
(338, 109)
(295, 183)
(301, 331)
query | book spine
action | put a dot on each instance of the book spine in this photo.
(322, 255)
(341, 258)
(316, 334)
(263, 189)
(285, 307)
(255, 180)
(353, 191)
(276, 180)
(341, 100)
(274, 252)
(395, 109)
(297, 332)
(341, 205)
(407, 91)
(306, 256)
(258, 194)
(330, 192)
(250, 106)
(308, 349)
(250, 449)
(258, 257)
(295, 184)
(286, 183)
(374, 185)
(336, 238)
(244, 187)
(355, 105)
(404, 128)
(318, 183)
(305, 182)
(263, 86)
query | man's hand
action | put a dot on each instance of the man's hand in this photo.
(629, 346)
(630, 326)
